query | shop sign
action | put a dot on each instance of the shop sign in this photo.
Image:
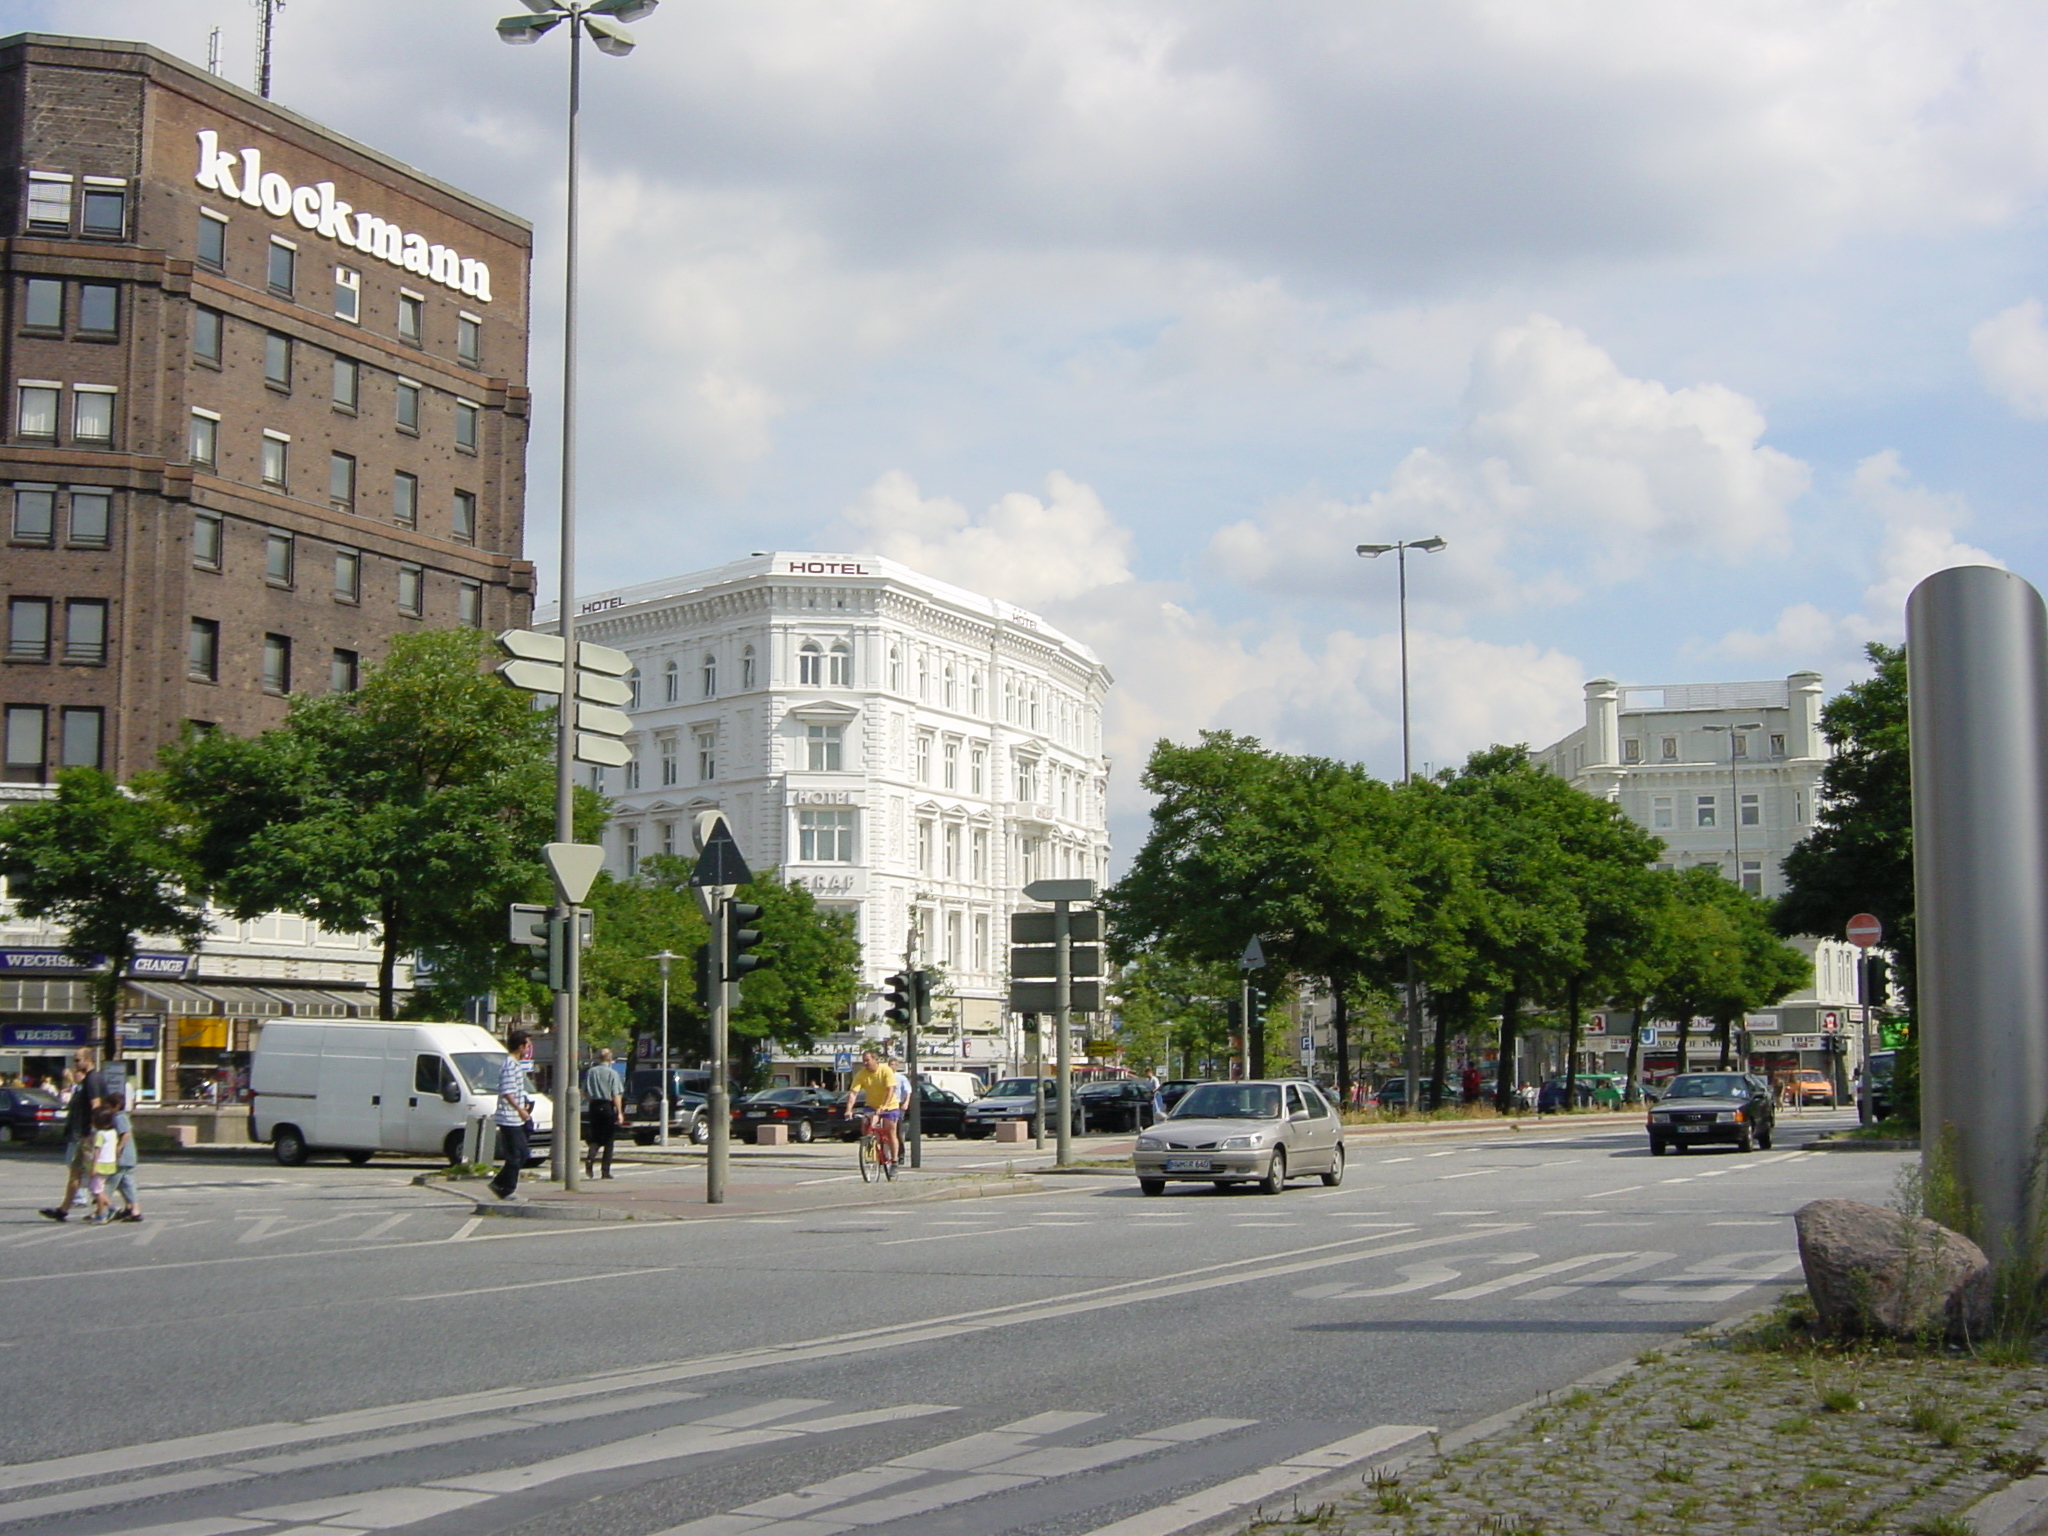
(848, 883)
(163, 967)
(1596, 1024)
(1805, 1042)
(241, 178)
(140, 1031)
(45, 1039)
(1759, 1041)
(825, 568)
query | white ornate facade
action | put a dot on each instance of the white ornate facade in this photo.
(911, 752)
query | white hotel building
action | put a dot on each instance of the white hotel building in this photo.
(913, 753)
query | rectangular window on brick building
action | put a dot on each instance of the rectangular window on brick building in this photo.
(341, 481)
(470, 604)
(25, 730)
(99, 309)
(104, 215)
(408, 406)
(405, 499)
(81, 738)
(211, 248)
(277, 450)
(92, 518)
(464, 520)
(35, 514)
(206, 541)
(28, 629)
(282, 272)
(411, 580)
(348, 294)
(42, 304)
(277, 664)
(202, 651)
(412, 318)
(348, 384)
(85, 631)
(207, 336)
(348, 576)
(277, 360)
(344, 672)
(202, 443)
(49, 201)
(36, 416)
(469, 341)
(92, 414)
(467, 414)
(280, 557)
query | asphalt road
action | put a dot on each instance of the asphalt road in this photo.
(331, 1349)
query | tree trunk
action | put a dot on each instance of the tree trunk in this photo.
(387, 964)
(1340, 1026)
(1684, 1034)
(1504, 1075)
(106, 990)
(1571, 1059)
(1725, 1028)
(1632, 1085)
(1438, 1049)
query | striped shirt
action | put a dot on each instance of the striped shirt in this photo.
(511, 1092)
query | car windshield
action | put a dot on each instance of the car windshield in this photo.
(1702, 1085)
(480, 1069)
(1230, 1101)
(1015, 1088)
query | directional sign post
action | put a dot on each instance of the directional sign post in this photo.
(1253, 959)
(1061, 895)
(720, 871)
(1865, 932)
(599, 695)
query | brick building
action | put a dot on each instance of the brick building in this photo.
(265, 406)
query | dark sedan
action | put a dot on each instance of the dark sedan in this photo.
(29, 1112)
(940, 1113)
(1119, 1104)
(807, 1113)
(1701, 1108)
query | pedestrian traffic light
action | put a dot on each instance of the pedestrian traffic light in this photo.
(901, 991)
(739, 939)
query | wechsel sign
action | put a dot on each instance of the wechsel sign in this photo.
(241, 177)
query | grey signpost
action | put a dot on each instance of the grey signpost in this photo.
(1253, 959)
(1977, 689)
(720, 871)
(1864, 931)
(1029, 929)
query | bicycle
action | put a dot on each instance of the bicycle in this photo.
(877, 1157)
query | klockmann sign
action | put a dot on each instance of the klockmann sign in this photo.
(241, 178)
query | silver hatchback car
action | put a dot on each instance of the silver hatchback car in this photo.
(1263, 1132)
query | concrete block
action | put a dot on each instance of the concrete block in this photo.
(772, 1135)
(1013, 1131)
(183, 1135)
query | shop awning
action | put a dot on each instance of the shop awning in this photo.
(315, 1003)
(170, 997)
(239, 1002)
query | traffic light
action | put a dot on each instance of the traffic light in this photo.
(550, 934)
(739, 939)
(705, 979)
(901, 992)
(921, 994)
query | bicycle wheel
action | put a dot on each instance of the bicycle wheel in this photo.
(888, 1161)
(869, 1158)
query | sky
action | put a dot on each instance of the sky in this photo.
(1700, 329)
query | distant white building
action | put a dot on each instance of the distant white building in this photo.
(911, 752)
(1727, 775)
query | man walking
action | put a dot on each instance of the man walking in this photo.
(604, 1090)
(514, 1115)
(87, 1096)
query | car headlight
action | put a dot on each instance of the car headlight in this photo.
(1660, 1119)
(1151, 1144)
(1729, 1117)
(1237, 1143)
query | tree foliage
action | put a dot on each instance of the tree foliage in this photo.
(105, 865)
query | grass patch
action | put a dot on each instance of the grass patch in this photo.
(1941, 1525)
(1669, 1471)
(1839, 1400)
(1697, 1421)
(1814, 1481)
(1391, 1497)
(1931, 1418)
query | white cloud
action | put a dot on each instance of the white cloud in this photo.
(2011, 353)
(1565, 471)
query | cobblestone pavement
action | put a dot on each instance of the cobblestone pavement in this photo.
(1719, 1437)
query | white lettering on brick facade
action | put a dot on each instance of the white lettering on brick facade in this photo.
(242, 178)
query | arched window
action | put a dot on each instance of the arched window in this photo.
(952, 688)
(924, 679)
(810, 664)
(895, 669)
(974, 692)
(841, 675)
(747, 667)
(671, 684)
(633, 683)
(710, 670)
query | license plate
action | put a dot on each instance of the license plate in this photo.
(754, 1114)
(1188, 1165)
(1693, 1130)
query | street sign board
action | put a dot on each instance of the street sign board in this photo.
(1061, 890)
(1253, 958)
(1083, 960)
(529, 925)
(1864, 930)
(1649, 1037)
(575, 867)
(1596, 1024)
(720, 863)
(842, 1061)
(1083, 927)
(1038, 996)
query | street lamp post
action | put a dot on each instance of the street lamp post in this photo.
(1412, 1046)
(664, 959)
(602, 20)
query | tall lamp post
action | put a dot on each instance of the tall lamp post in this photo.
(602, 20)
(1734, 807)
(1412, 1046)
(664, 960)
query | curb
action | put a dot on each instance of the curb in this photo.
(2017, 1509)
(1828, 1144)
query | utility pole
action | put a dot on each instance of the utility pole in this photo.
(719, 873)
(266, 28)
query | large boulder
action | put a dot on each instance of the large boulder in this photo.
(1873, 1271)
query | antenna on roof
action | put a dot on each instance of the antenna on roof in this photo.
(266, 23)
(213, 52)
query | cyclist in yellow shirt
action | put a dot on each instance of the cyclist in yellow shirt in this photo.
(874, 1083)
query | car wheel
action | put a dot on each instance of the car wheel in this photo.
(645, 1138)
(1763, 1137)
(358, 1155)
(288, 1146)
(1276, 1174)
(1336, 1174)
(1746, 1142)
(451, 1148)
(801, 1131)
(700, 1132)
(1658, 1146)
(1152, 1186)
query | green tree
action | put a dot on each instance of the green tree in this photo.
(415, 807)
(1174, 1011)
(105, 865)
(1722, 958)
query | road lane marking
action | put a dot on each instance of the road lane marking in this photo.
(1626, 1189)
(1718, 1279)
(464, 1230)
(535, 1285)
(1540, 1272)
(1632, 1266)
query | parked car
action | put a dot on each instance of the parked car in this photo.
(1806, 1085)
(808, 1113)
(1012, 1099)
(1116, 1104)
(1393, 1093)
(1260, 1132)
(1882, 1065)
(1705, 1107)
(689, 1119)
(940, 1111)
(29, 1112)
(1594, 1090)
(1170, 1093)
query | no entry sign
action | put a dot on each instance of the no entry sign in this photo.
(1864, 930)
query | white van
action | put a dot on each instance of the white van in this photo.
(968, 1086)
(363, 1087)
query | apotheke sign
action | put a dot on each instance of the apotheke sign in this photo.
(241, 177)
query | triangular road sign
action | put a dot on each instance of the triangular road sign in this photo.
(720, 862)
(575, 867)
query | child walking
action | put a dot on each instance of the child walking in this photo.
(123, 1181)
(105, 1155)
